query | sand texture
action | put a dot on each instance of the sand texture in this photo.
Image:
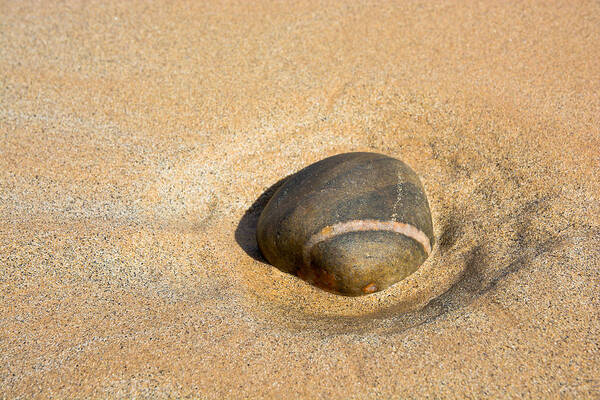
(140, 140)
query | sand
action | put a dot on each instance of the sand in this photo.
(138, 143)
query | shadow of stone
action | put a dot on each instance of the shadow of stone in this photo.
(245, 233)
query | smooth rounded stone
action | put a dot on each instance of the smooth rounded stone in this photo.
(353, 224)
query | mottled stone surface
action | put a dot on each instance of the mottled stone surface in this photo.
(332, 223)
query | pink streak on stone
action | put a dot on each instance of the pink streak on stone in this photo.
(365, 225)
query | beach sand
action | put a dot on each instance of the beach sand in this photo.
(138, 143)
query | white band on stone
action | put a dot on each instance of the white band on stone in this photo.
(365, 225)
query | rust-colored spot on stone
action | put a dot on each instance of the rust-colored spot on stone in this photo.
(318, 277)
(370, 288)
(326, 280)
(328, 230)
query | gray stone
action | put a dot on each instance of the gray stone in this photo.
(353, 224)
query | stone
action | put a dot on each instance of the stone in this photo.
(352, 224)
